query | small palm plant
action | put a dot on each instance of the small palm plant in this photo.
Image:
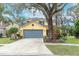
(12, 31)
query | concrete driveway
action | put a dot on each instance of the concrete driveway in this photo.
(25, 47)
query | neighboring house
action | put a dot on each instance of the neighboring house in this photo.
(12, 25)
(34, 28)
(3, 29)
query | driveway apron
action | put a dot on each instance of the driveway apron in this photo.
(27, 46)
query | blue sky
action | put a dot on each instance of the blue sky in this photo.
(29, 14)
(68, 6)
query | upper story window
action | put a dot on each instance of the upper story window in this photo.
(41, 22)
(32, 24)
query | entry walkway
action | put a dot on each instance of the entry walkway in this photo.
(25, 47)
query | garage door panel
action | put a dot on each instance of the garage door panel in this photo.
(33, 33)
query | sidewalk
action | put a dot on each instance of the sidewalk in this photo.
(66, 44)
(3, 44)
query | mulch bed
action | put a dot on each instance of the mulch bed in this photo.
(52, 41)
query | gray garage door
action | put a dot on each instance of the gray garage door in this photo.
(33, 33)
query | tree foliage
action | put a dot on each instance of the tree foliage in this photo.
(1, 8)
(77, 28)
(13, 30)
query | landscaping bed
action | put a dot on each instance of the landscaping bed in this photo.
(64, 50)
(67, 39)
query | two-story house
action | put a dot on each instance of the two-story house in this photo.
(34, 28)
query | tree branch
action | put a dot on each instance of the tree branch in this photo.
(43, 5)
(59, 9)
(53, 7)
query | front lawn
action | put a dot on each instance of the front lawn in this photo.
(64, 50)
(6, 40)
(72, 39)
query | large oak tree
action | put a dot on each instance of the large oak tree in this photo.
(49, 10)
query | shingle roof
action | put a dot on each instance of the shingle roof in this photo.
(2, 26)
(37, 23)
(30, 19)
(34, 19)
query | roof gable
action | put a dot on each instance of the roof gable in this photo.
(35, 25)
(31, 20)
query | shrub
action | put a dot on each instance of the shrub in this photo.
(7, 33)
(64, 34)
(45, 38)
(1, 35)
(11, 32)
(77, 28)
(19, 36)
(57, 33)
(62, 39)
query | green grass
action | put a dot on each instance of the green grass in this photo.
(64, 50)
(72, 39)
(6, 40)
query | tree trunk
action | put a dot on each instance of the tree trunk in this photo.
(50, 29)
(56, 21)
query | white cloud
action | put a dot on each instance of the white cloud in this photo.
(74, 4)
(6, 15)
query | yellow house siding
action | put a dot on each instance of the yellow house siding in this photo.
(44, 32)
(35, 27)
